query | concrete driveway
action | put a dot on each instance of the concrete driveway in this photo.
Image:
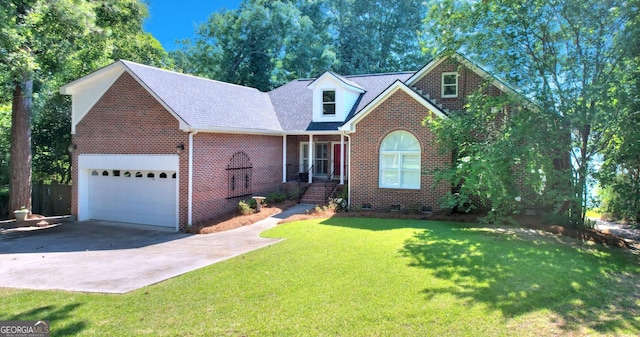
(108, 257)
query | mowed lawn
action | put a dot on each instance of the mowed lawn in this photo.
(370, 277)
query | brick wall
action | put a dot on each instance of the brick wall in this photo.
(212, 155)
(128, 120)
(398, 112)
(468, 81)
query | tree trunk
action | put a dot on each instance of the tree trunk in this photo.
(20, 185)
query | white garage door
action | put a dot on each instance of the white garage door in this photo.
(136, 196)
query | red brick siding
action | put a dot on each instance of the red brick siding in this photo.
(468, 81)
(128, 120)
(398, 112)
(212, 154)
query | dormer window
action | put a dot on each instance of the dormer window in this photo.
(449, 85)
(329, 102)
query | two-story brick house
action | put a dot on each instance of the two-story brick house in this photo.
(157, 147)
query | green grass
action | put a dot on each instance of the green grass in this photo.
(369, 277)
(594, 214)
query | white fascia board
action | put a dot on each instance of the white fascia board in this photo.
(426, 69)
(98, 75)
(88, 90)
(350, 126)
(335, 78)
(314, 132)
(239, 131)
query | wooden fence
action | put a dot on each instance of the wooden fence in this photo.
(46, 199)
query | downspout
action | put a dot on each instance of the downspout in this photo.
(349, 171)
(190, 189)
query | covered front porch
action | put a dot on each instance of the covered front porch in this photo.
(315, 157)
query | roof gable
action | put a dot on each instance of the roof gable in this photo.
(329, 74)
(198, 103)
(467, 63)
(350, 125)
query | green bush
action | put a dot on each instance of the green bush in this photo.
(244, 207)
(275, 197)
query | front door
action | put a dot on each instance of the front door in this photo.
(321, 160)
(337, 158)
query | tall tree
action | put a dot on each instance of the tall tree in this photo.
(562, 54)
(619, 175)
(48, 42)
(250, 45)
(375, 35)
(122, 38)
(36, 38)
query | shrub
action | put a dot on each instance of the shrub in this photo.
(244, 207)
(274, 197)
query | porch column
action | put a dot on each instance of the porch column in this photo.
(342, 159)
(284, 158)
(310, 159)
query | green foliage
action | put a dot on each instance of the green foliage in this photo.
(263, 44)
(66, 39)
(244, 207)
(565, 55)
(503, 156)
(620, 171)
(275, 197)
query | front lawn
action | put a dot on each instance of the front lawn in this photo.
(371, 277)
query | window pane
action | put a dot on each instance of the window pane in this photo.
(390, 178)
(411, 179)
(329, 108)
(449, 79)
(390, 161)
(411, 162)
(329, 96)
(450, 90)
(401, 141)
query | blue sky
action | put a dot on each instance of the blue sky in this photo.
(171, 20)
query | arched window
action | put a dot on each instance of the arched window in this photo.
(150, 175)
(400, 161)
(163, 175)
(94, 173)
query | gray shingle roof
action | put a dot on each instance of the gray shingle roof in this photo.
(293, 102)
(204, 103)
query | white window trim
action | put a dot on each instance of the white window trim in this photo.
(399, 169)
(335, 102)
(442, 85)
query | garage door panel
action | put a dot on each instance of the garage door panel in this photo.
(143, 200)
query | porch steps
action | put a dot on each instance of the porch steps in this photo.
(315, 194)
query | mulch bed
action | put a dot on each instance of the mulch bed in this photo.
(532, 222)
(232, 221)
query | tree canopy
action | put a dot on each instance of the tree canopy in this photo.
(266, 43)
(48, 43)
(563, 55)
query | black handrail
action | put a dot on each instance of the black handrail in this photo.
(303, 189)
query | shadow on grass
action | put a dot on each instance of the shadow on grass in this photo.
(583, 286)
(54, 314)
